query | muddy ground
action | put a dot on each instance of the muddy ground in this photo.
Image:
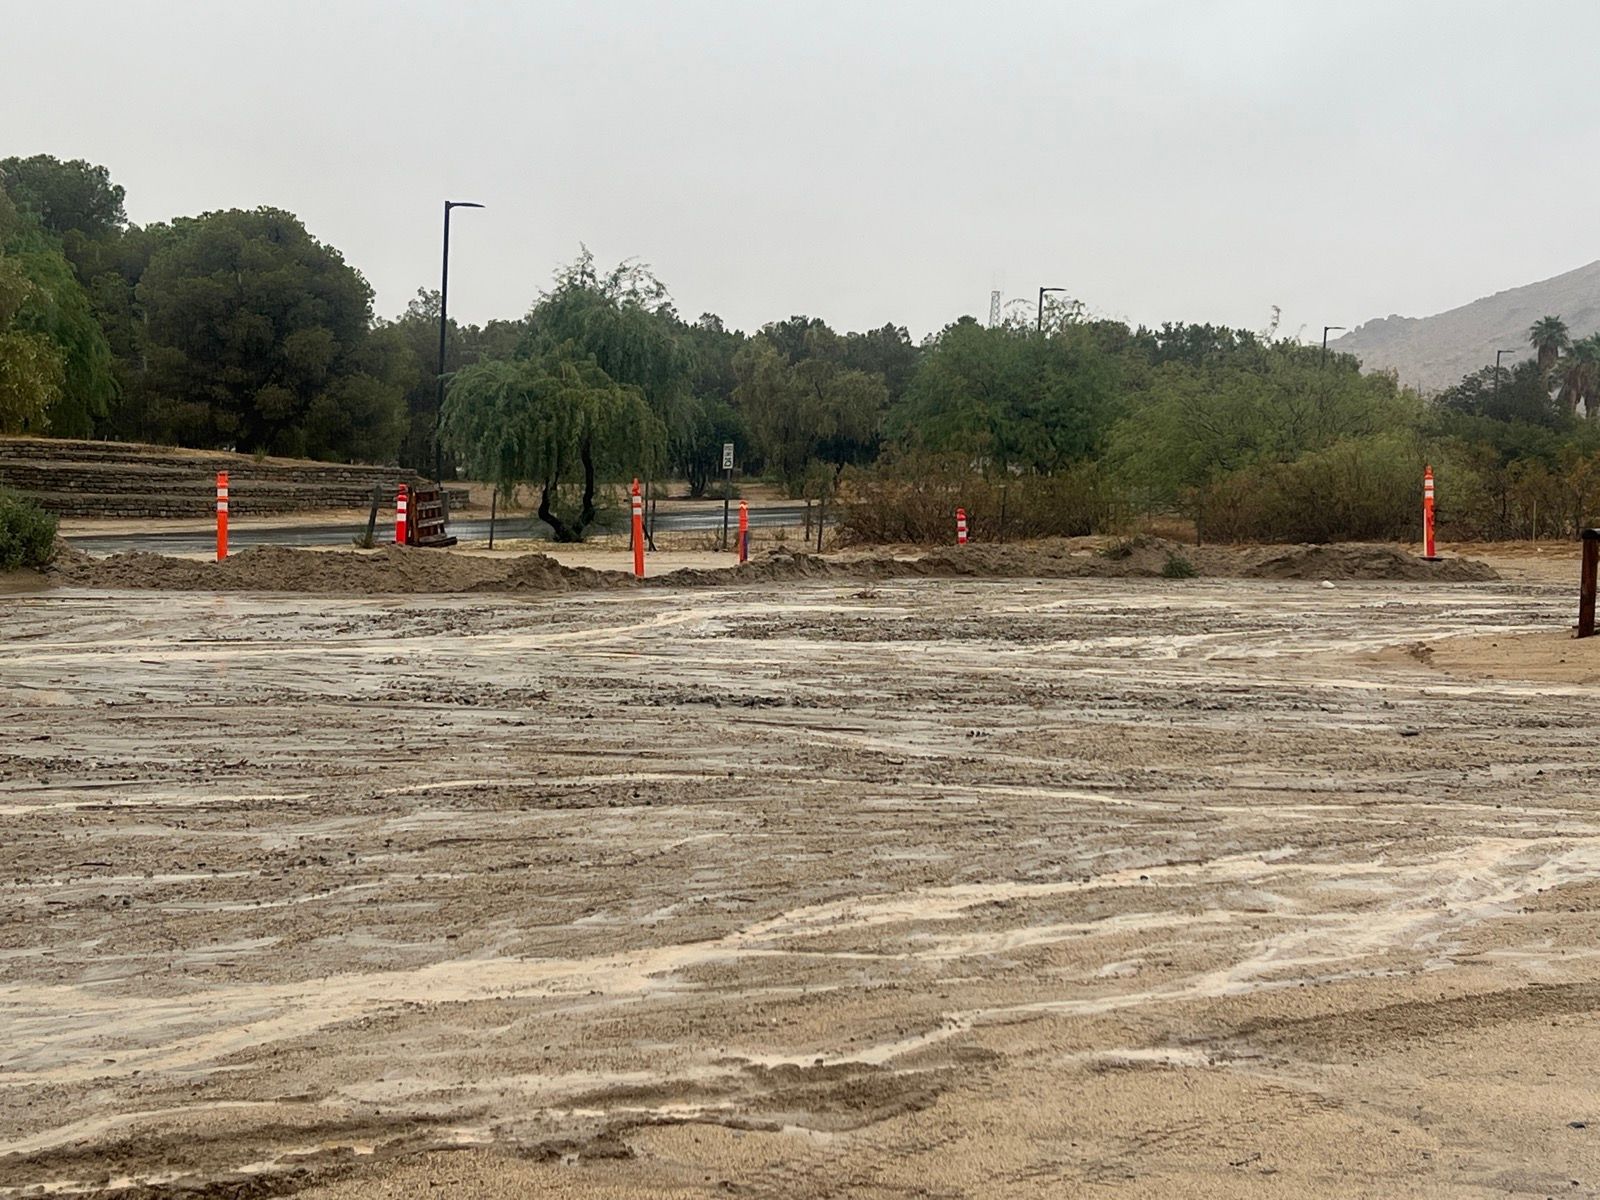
(915, 887)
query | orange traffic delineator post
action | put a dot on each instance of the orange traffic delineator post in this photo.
(638, 532)
(744, 532)
(1427, 515)
(961, 527)
(222, 515)
(401, 503)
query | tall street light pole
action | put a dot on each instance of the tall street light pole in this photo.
(1327, 329)
(1039, 324)
(1497, 355)
(444, 307)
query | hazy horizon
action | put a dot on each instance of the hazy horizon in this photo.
(861, 163)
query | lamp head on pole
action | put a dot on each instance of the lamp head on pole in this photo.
(449, 204)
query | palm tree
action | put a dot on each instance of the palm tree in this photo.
(1579, 376)
(1549, 337)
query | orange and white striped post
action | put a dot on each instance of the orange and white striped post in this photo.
(401, 515)
(961, 527)
(1427, 515)
(744, 531)
(222, 515)
(638, 532)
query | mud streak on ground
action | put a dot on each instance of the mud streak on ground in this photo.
(928, 887)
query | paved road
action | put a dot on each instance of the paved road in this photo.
(189, 542)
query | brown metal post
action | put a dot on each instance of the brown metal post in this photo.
(1586, 589)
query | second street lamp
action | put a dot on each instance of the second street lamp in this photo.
(444, 305)
(1327, 329)
(1497, 355)
(1039, 324)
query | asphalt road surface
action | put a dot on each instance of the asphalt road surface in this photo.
(520, 526)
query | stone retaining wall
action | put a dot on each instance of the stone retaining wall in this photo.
(108, 479)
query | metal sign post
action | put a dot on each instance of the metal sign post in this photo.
(727, 488)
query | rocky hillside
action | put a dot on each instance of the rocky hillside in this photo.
(1434, 352)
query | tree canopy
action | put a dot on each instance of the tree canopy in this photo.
(1010, 399)
(256, 331)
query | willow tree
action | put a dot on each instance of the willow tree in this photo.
(622, 319)
(554, 422)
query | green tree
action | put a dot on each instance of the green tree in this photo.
(31, 372)
(254, 327)
(813, 410)
(1549, 338)
(65, 197)
(418, 330)
(695, 450)
(56, 353)
(1520, 393)
(623, 320)
(1195, 424)
(1578, 376)
(888, 352)
(556, 422)
(1009, 398)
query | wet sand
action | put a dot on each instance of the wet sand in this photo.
(927, 887)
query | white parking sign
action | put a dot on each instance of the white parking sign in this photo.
(727, 456)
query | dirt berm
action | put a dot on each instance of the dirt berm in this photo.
(393, 570)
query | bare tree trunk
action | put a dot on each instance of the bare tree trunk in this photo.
(559, 529)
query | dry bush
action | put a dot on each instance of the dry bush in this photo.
(914, 500)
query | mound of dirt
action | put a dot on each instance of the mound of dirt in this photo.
(1347, 561)
(284, 569)
(773, 566)
(395, 570)
(541, 573)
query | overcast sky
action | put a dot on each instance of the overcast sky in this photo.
(864, 162)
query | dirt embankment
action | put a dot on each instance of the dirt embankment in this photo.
(394, 570)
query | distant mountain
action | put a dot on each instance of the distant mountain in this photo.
(1434, 352)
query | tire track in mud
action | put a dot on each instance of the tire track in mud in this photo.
(812, 914)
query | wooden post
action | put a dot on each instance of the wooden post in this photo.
(372, 516)
(494, 499)
(1586, 588)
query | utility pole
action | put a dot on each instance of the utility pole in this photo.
(1325, 331)
(1497, 355)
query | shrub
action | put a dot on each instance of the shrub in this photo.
(914, 499)
(1367, 489)
(1178, 567)
(27, 533)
